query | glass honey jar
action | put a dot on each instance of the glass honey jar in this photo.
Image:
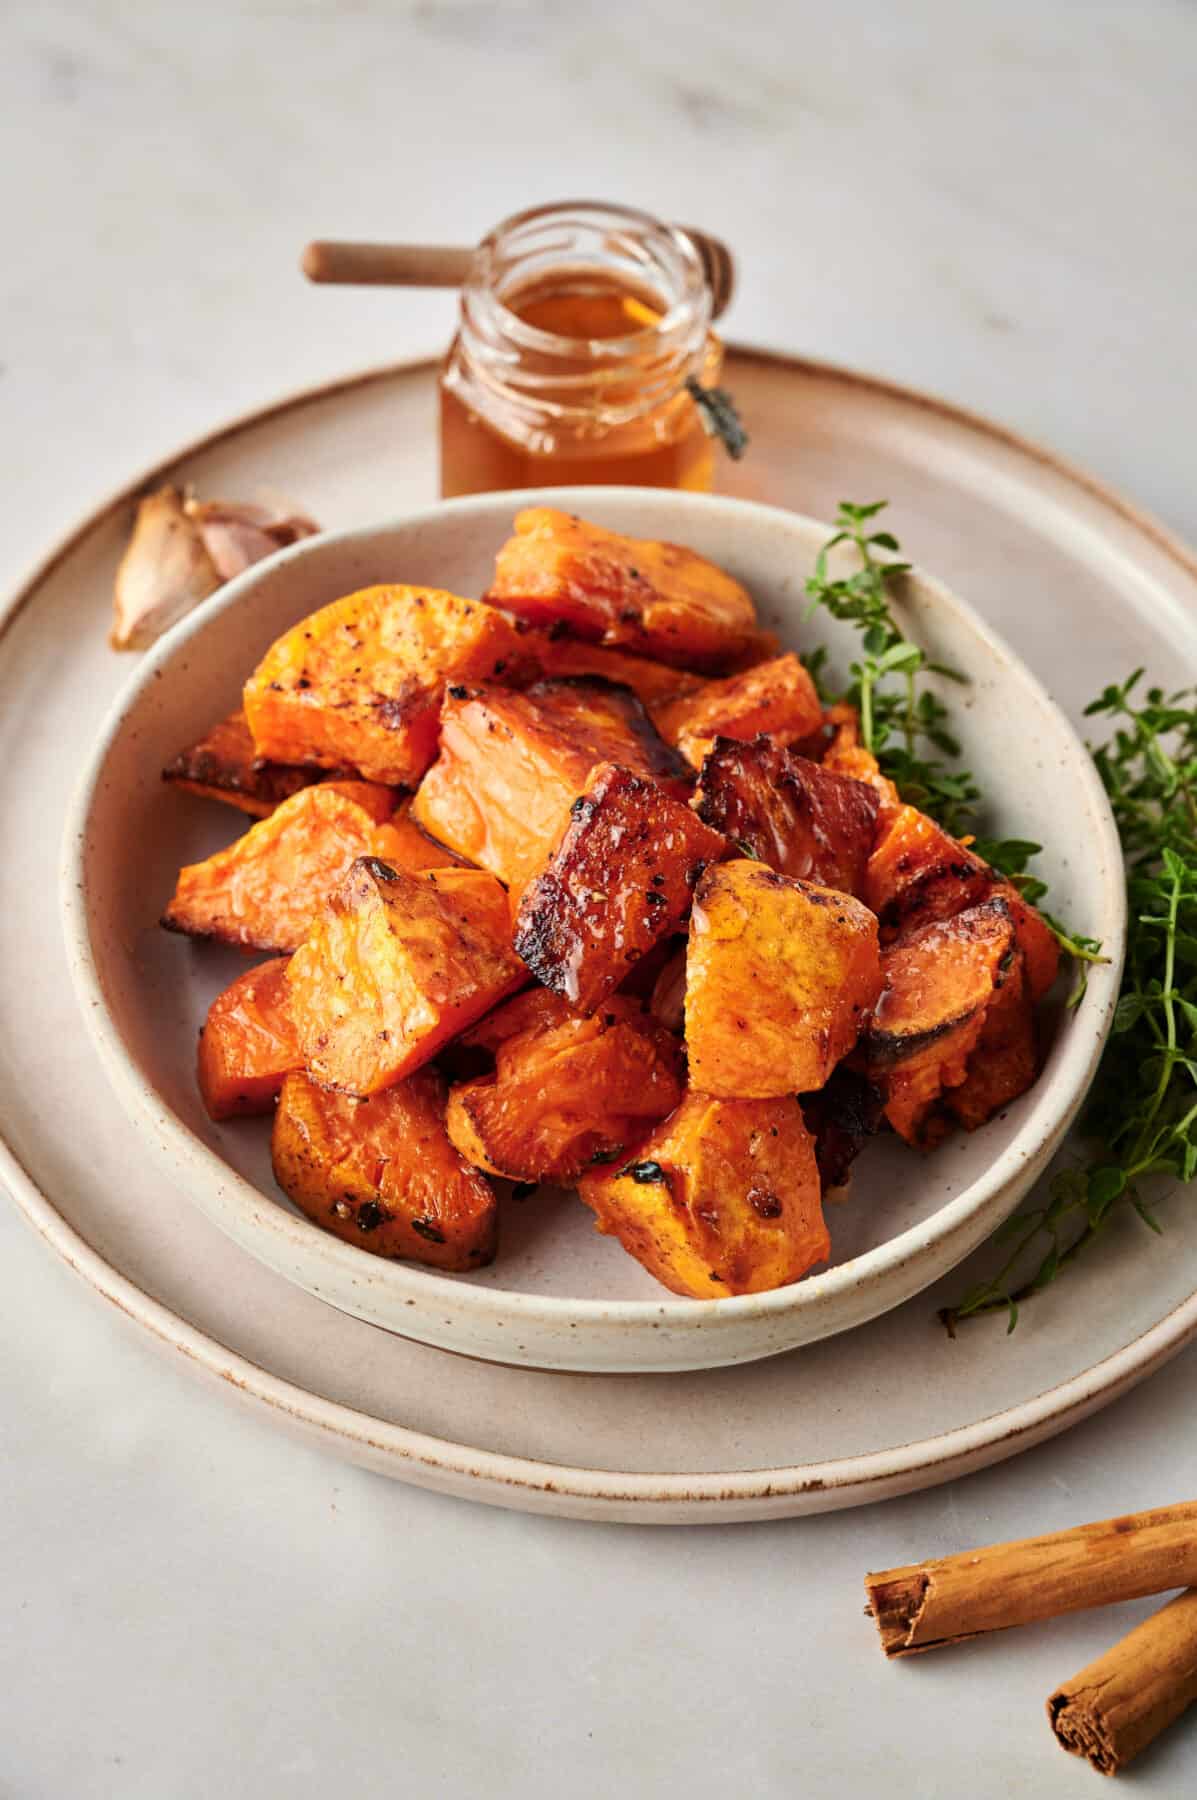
(580, 327)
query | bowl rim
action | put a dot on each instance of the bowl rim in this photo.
(1035, 1140)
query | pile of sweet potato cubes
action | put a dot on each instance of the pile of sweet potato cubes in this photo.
(581, 884)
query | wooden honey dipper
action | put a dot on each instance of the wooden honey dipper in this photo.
(448, 265)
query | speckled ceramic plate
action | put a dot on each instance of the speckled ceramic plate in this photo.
(1079, 584)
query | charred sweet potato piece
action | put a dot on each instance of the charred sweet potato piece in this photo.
(382, 1174)
(918, 873)
(801, 819)
(620, 879)
(780, 977)
(266, 888)
(561, 657)
(657, 599)
(842, 1117)
(723, 1198)
(940, 981)
(224, 765)
(604, 716)
(776, 697)
(247, 1044)
(511, 764)
(1006, 1059)
(358, 684)
(563, 1096)
(395, 967)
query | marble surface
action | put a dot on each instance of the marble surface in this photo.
(986, 200)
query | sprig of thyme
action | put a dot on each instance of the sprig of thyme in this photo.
(897, 717)
(1140, 1121)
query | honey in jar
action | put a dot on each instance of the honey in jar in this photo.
(580, 327)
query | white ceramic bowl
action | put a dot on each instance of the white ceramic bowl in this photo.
(560, 1296)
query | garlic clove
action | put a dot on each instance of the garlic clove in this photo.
(165, 571)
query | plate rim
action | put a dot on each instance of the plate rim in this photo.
(499, 1479)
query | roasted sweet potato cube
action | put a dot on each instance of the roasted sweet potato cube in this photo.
(619, 881)
(918, 873)
(776, 697)
(247, 1044)
(801, 819)
(396, 966)
(940, 981)
(564, 1096)
(358, 685)
(511, 764)
(1006, 1059)
(780, 978)
(561, 657)
(266, 888)
(382, 1174)
(657, 599)
(723, 1198)
(224, 765)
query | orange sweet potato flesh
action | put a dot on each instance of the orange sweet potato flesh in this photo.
(940, 982)
(247, 1044)
(396, 966)
(656, 599)
(620, 880)
(652, 682)
(533, 1010)
(1006, 1059)
(918, 873)
(510, 764)
(399, 840)
(381, 1173)
(800, 818)
(358, 684)
(224, 765)
(264, 891)
(780, 978)
(723, 1198)
(564, 1096)
(776, 697)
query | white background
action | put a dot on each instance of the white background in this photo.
(994, 201)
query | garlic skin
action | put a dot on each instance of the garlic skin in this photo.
(236, 536)
(182, 549)
(164, 572)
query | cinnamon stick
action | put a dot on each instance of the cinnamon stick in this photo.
(955, 1597)
(1116, 1706)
